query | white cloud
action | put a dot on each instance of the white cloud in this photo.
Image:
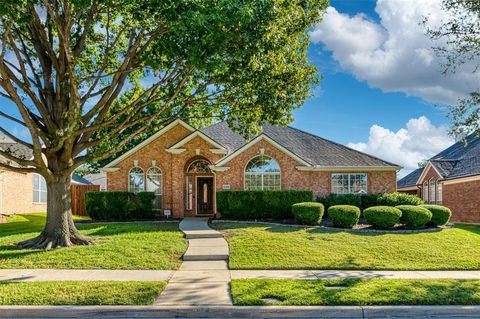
(419, 140)
(394, 55)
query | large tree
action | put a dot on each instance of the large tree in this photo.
(459, 35)
(81, 73)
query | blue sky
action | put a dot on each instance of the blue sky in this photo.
(344, 108)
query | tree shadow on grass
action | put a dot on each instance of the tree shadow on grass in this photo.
(124, 228)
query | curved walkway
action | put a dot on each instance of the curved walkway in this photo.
(203, 277)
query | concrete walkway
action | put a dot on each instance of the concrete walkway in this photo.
(217, 271)
(84, 275)
(339, 274)
(203, 277)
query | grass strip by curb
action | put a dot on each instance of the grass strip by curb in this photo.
(358, 292)
(80, 292)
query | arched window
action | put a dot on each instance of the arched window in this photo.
(136, 182)
(432, 191)
(439, 193)
(262, 173)
(154, 184)
(425, 192)
(199, 166)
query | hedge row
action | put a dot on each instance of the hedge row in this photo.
(260, 204)
(119, 205)
(364, 201)
(379, 217)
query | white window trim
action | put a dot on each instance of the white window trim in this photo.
(161, 183)
(143, 177)
(39, 190)
(349, 191)
(262, 173)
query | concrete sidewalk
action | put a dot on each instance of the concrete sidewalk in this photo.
(339, 274)
(84, 275)
(217, 271)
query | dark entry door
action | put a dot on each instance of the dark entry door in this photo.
(204, 195)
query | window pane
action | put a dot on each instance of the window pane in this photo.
(189, 193)
(43, 197)
(200, 166)
(136, 182)
(36, 182)
(36, 197)
(262, 173)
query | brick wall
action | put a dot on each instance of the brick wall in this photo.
(17, 194)
(464, 200)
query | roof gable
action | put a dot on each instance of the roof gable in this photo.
(259, 138)
(199, 134)
(411, 179)
(148, 141)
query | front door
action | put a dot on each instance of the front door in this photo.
(204, 195)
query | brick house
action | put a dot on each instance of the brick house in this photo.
(24, 192)
(450, 178)
(185, 167)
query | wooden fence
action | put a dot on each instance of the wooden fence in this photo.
(78, 197)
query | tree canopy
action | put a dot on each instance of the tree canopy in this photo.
(461, 35)
(87, 77)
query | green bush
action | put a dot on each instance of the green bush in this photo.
(260, 204)
(382, 217)
(440, 214)
(308, 213)
(396, 199)
(414, 217)
(344, 216)
(336, 199)
(119, 205)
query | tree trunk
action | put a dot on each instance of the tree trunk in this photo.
(59, 231)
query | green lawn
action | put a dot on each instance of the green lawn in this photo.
(79, 293)
(119, 246)
(256, 246)
(355, 292)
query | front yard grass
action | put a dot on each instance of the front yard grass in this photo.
(257, 246)
(120, 246)
(80, 292)
(355, 292)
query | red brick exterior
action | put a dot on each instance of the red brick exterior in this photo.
(462, 196)
(16, 194)
(173, 167)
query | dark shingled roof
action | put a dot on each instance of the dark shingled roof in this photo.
(411, 179)
(311, 148)
(18, 150)
(80, 180)
(459, 160)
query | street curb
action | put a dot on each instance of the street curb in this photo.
(240, 312)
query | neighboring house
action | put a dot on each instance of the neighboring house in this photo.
(450, 178)
(185, 167)
(24, 192)
(99, 179)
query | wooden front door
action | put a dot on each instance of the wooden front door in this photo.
(204, 195)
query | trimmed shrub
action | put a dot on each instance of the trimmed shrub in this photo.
(336, 199)
(119, 205)
(440, 214)
(308, 213)
(344, 216)
(260, 204)
(382, 217)
(396, 199)
(414, 217)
